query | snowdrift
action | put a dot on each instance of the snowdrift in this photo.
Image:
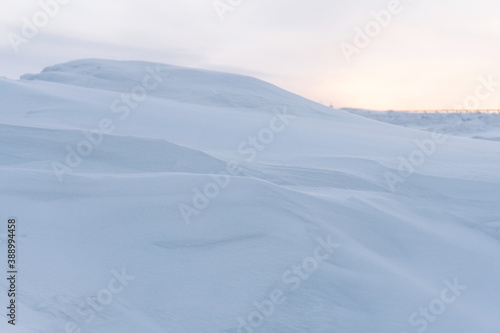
(154, 198)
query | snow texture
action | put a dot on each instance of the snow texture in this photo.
(412, 218)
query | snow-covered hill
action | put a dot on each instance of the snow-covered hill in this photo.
(154, 198)
(476, 125)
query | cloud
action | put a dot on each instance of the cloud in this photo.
(294, 44)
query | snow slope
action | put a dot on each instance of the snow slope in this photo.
(477, 125)
(294, 176)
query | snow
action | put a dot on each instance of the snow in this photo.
(315, 176)
(476, 125)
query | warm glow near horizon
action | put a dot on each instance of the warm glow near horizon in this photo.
(371, 54)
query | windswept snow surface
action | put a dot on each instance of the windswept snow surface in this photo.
(328, 223)
(476, 125)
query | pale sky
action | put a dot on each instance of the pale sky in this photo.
(430, 54)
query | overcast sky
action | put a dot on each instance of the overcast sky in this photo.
(424, 54)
